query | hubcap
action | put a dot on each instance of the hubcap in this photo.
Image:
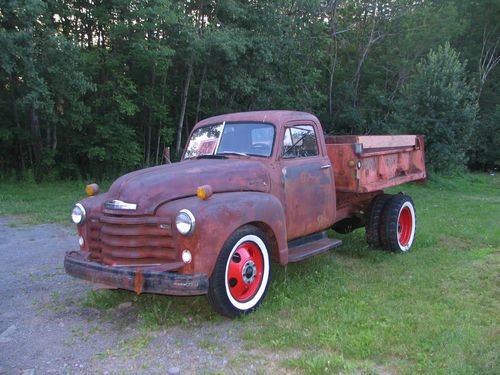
(405, 226)
(249, 272)
(245, 271)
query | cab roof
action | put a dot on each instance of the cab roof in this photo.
(276, 117)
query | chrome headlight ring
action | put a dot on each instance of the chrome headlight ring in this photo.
(78, 214)
(185, 222)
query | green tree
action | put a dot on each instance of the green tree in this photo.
(485, 150)
(100, 87)
(42, 80)
(439, 103)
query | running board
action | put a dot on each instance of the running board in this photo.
(311, 245)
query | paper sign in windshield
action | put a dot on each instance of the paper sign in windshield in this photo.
(207, 147)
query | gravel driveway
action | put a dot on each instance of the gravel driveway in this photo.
(46, 328)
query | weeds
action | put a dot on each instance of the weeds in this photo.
(356, 309)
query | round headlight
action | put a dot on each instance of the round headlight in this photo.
(78, 214)
(185, 222)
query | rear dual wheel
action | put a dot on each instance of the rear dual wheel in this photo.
(374, 220)
(242, 273)
(392, 223)
(398, 224)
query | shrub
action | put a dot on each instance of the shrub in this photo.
(439, 103)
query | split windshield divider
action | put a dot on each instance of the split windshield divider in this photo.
(218, 141)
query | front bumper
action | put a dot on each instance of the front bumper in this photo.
(139, 280)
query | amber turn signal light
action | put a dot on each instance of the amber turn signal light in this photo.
(204, 192)
(92, 189)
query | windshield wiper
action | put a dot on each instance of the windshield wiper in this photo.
(234, 153)
(209, 156)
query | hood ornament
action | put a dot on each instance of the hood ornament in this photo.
(116, 204)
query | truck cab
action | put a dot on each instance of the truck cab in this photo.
(251, 189)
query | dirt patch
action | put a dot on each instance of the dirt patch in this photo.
(46, 328)
(455, 243)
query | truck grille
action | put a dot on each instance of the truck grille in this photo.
(131, 241)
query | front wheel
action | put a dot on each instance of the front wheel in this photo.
(241, 275)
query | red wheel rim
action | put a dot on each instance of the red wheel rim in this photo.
(405, 226)
(245, 271)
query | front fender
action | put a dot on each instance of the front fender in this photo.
(218, 217)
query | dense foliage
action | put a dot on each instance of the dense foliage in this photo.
(95, 87)
(438, 102)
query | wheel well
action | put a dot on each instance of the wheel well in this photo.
(271, 238)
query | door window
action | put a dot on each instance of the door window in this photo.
(300, 141)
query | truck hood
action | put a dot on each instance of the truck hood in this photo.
(151, 187)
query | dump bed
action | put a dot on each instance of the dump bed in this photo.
(363, 164)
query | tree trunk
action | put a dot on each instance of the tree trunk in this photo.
(333, 52)
(200, 92)
(333, 65)
(19, 150)
(148, 144)
(158, 142)
(54, 138)
(186, 127)
(183, 107)
(34, 124)
(150, 115)
(36, 141)
(488, 60)
(372, 39)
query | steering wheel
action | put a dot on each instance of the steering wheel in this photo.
(261, 148)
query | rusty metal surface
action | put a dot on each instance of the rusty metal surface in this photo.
(277, 118)
(286, 198)
(151, 187)
(353, 204)
(221, 215)
(309, 196)
(304, 186)
(121, 241)
(311, 245)
(139, 280)
(375, 168)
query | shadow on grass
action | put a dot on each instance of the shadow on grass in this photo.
(150, 311)
(159, 311)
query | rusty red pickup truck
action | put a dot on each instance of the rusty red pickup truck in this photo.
(251, 189)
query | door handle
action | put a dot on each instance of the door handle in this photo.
(326, 166)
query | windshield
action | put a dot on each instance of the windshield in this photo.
(247, 139)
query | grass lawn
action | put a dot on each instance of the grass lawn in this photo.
(48, 202)
(355, 309)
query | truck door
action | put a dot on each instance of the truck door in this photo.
(307, 177)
